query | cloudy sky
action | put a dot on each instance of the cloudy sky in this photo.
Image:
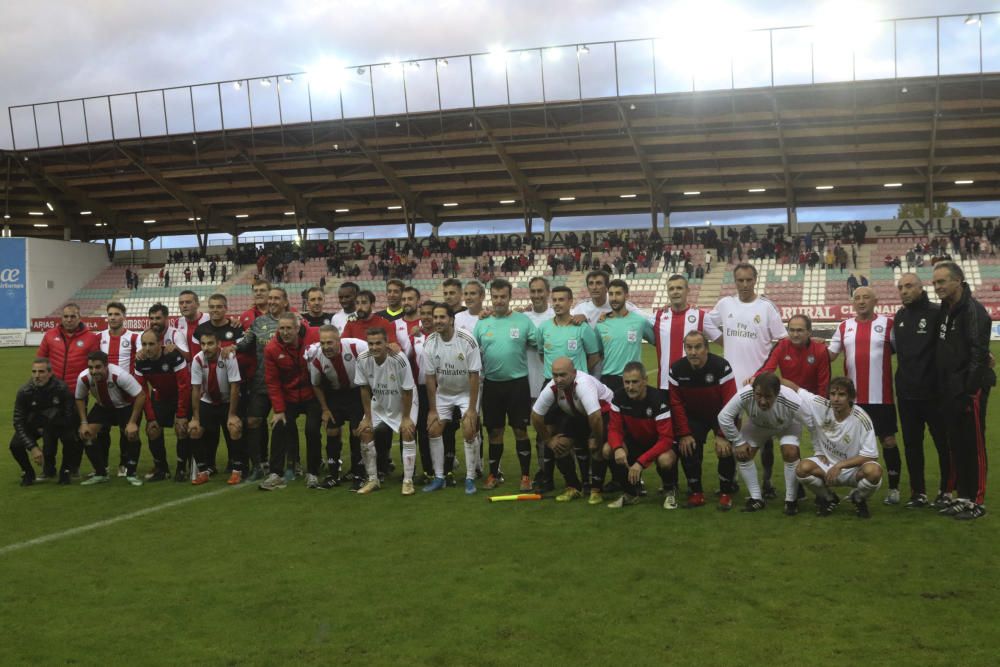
(58, 49)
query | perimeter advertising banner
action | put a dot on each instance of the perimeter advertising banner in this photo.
(13, 284)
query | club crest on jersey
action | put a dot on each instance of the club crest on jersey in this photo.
(461, 357)
(348, 356)
(79, 343)
(514, 334)
(55, 400)
(570, 345)
(125, 344)
(165, 367)
(632, 337)
(847, 439)
(921, 325)
(229, 335)
(756, 319)
(709, 377)
(692, 319)
(649, 412)
(879, 328)
(810, 359)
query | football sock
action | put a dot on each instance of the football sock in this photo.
(567, 466)
(541, 451)
(692, 469)
(409, 459)
(915, 467)
(496, 453)
(523, 449)
(748, 473)
(369, 457)
(132, 450)
(582, 456)
(727, 474)
(669, 477)
(866, 488)
(357, 457)
(767, 459)
(471, 454)
(158, 450)
(791, 485)
(598, 469)
(254, 446)
(424, 446)
(437, 455)
(816, 484)
(549, 466)
(449, 448)
(893, 465)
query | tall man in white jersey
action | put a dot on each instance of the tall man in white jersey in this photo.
(473, 293)
(121, 346)
(867, 341)
(750, 325)
(843, 439)
(770, 411)
(390, 405)
(539, 311)
(452, 364)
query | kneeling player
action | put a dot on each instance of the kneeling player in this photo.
(843, 438)
(332, 368)
(387, 396)
(583, 402)
(771, 411)
(452, 363)
(639, 433)
(215, 401)
(167, 380)
(118, 401)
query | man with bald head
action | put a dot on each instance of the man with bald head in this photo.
(867, 341)
(915, 335)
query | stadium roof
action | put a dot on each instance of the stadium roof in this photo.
(885, 141)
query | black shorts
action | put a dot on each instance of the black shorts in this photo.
(258, 405)
(700, 430)
(165, 413)
(883, 416)
(613, 382)
(506, 401)
(345, 405)
(634, 448)
(576, 427)
(109, 417)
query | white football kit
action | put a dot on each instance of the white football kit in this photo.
(451, 362)
(387, 381)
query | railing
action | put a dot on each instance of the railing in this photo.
(692, 56)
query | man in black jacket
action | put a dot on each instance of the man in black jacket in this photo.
(963, 376)
(915, 336)
(43, 408)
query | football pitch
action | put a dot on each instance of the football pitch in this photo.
(173, 574)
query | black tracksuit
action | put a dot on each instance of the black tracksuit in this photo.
(962, 379)
(916, 333)
(47, 412)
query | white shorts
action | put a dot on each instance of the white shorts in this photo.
(395, 421)
(847, 476)
(755, 436)
(446, 406)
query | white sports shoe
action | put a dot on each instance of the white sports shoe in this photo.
(408, 489)
(273, 482)
(312, 482)
(670, 500)
(623, 501)
(370, 486)
(122, 472)
(891, 498)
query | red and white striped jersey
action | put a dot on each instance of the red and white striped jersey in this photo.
(174, 337)
(214, 390)
(670, 327)
(867, 348)
(186, 330)
(586, 396)
(121, 350)
(414, 351)
(118, 390)
(340, 370)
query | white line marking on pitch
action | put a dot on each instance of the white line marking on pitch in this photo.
(44, 539)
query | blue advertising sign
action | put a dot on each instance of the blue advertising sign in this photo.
(13, 284)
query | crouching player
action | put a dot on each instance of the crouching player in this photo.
(584, 401)
(843, 438)
(639, 433)
(390, 405)
(118, 401)
(771, 411)
(215, 400)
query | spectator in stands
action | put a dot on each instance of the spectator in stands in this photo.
(166, 278)
(187, 274)
(852, 284)
(863, 281)
(201, 274)
(212, 268)
(128, 278)
(225, 270)
(699, 272)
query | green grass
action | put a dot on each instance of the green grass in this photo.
(301, 577)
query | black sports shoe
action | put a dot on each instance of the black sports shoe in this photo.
(957, 506)
(642, 488)
(824, 506)
(157, 476)
(769, 492)
(834, 499)
(917, 501)
(791, 507)
(64, 478)
(329, 482)
(357, 483)
(449, 480)
(181, 475)
(971, 512)
(861, 509)
(28, 480)
(754, 505)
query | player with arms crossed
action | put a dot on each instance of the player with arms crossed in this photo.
(387, 396)
(843, 440)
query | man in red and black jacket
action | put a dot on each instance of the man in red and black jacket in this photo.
(700, 386)
(801, 358)
(67, 346)
(166, 379)
(289, 388)
(363, 319)
(639, 433)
